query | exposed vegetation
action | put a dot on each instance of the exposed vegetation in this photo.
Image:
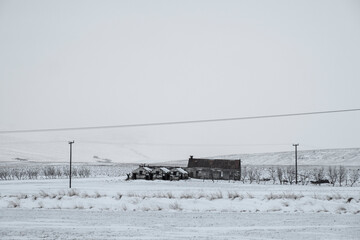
(47, 172)
(334, 175)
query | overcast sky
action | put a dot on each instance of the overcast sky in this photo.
(89, 63)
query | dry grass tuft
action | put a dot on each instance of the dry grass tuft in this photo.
(73, 192)
(131, 194)
(201, 195)
(79, 206)
(22, 196)
(216, 195)
(234, 195)
(118, 196)
(341, 210)
(43, 194)
(97, 195)
(187, 196)
(292, 196)
(175, 206)
(14, 204)
(273, 210)
(158, 208)
(40, 204)
(124, 207)
(170, 195)
(250, 195)
(85, 195)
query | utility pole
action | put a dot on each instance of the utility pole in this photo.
(296, 178)
(71, 143)
(240, 169)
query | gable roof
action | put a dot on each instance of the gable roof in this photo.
(181, 170)
(214, 163)
(164, 169)
(147, 169)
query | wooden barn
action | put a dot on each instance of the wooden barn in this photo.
(214, 168)
(161, 173)
(158, 172)
(142, 172)
(178, 174)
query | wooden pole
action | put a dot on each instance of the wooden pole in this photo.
(71, 143)
(296, 172)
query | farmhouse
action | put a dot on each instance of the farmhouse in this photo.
(214, 168)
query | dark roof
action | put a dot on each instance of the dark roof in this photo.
(214, 163)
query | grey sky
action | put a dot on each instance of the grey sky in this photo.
(88, 63)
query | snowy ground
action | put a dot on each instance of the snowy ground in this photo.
(76, 224)
(114, 208)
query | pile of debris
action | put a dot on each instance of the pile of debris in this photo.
(157, 172)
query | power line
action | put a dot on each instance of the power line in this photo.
(152, 144)
(186, 144)
(29, 142)
(178, 122)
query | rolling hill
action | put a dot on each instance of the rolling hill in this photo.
(321, 157)
(57, 151)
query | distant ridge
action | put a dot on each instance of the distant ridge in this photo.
(318, 157)
(344, 156)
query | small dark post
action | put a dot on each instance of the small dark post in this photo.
(71, 143)
(296, 178)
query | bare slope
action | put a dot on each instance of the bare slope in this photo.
(325, 157)
(346, 157)
(52, 149)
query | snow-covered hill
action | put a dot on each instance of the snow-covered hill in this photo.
(19, 150)
(56, 150)
(346, 157)
(324, 157)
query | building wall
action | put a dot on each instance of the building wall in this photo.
(213, 173)
(140, 173)
(214, 168)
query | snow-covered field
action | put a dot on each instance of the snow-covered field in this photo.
(75, 224)
(114, 208)
(105, 206)
(116, 194)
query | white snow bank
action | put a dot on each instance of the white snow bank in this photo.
(187, 196)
